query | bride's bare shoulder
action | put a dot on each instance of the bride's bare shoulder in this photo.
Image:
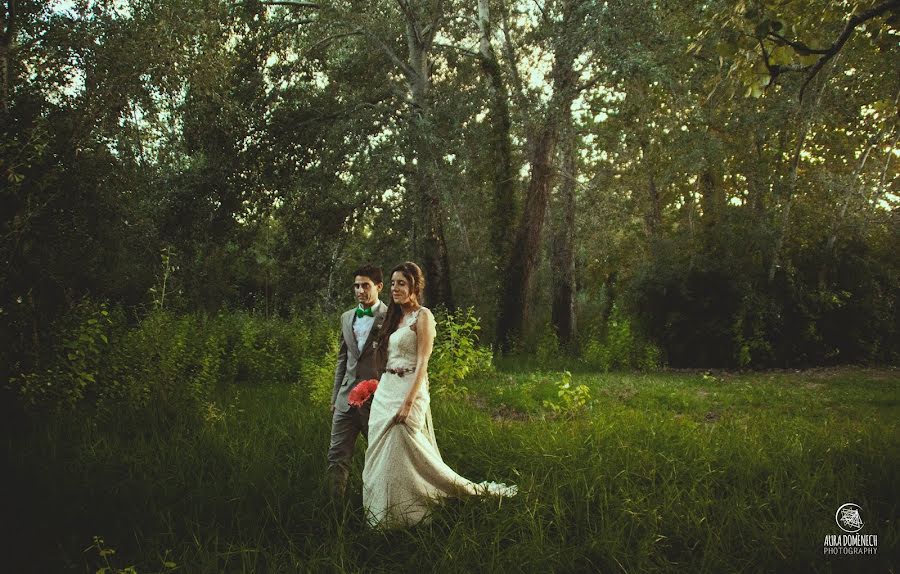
(424, 316)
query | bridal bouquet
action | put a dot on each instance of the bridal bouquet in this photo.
(362, 392)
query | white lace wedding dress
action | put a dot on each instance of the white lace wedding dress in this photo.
(404, 470)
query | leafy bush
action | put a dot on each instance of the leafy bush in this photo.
(317, 353)
(570, 399)
(619, 347)
(456, 352)
(74, 373)
(547, 348)
(719, 308)
(172, 365)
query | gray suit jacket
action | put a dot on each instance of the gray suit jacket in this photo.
(354, 365)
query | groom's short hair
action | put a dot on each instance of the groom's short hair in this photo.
(373, 272)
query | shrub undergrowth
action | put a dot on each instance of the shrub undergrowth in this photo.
(173, 365)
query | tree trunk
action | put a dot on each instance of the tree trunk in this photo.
(755, 175)
(516, 281)
(712, 197)
(503, 205)
(519, 272)
(4, 76)
(609, 288)
(786, 213)
(429, 210)
(882, 181)
(563, 244)
(805, 119)
(429, 218)
(852, 188)
(688, 209)
(653, 211)
(7, 39)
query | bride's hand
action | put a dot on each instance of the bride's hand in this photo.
(403, 413)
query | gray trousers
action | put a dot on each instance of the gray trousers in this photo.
(344, 429)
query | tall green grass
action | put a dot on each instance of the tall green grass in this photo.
(656, 473)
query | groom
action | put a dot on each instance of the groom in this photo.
(355, 363)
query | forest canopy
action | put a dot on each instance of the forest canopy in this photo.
(714, 180)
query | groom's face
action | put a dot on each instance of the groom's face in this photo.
(366, 291)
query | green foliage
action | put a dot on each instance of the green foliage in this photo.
(547, 346)
(527, 394)
(570, 399)
(719, 309)
(170, 129)
(618, 347)
(172, 366)
(456, 353)
(318, 357)
(105, 553)
(76, 367)
(163, 287)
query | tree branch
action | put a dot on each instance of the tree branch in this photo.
(290, 24)
(776, 70)
(587, 84)
(540, 8)
(8, 31)
(348, 111)
(798, 47)
(405, 67)
(357, 31)
(510, 55)
(407, 11)
(9, 34)
(459, 49)
(329, 39)
(835, 47)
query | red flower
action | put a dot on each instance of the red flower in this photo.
(362, 392)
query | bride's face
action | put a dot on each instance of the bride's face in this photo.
(401, 290)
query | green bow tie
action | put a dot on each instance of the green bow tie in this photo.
(363, 312)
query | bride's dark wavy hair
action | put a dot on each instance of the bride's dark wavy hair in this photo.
(416, 280)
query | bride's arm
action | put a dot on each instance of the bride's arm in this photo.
(425, 332)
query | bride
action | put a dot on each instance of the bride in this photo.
(404, 470)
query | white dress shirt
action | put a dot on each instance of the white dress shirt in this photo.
(362, 326)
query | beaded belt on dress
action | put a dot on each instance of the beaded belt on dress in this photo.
(401, 371)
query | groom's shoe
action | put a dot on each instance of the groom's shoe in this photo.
(339, 503)
(337, 486)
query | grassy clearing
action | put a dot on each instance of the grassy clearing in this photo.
(660, 472)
